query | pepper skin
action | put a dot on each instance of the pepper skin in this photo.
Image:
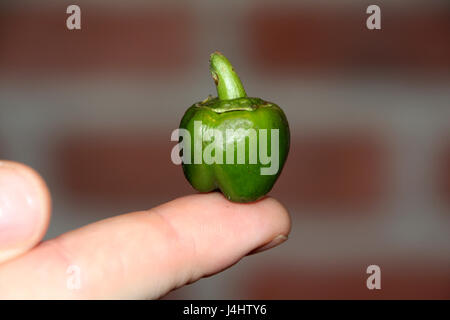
(233, 110)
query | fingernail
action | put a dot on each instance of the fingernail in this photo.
(20, 206)
(275, 242)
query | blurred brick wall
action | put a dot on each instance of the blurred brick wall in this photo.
(311, 38)
(337, 170)
(103, 142)
(398, 281)
(119, 166)
(344, 170)
(34, 39)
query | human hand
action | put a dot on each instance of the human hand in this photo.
(143, 254)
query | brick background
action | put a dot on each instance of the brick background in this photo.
(398, 281)
(311, 39)
(335, 170)
(345, 171)
(92, 111)
(147, 41)
(117, 167)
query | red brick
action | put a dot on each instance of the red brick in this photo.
(114, 167)
(324, 171)
(315, 38)
(145, 40)
(342, 170)
(398, 281)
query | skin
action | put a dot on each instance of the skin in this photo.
(137, 255)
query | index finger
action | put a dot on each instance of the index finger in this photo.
(146, 254)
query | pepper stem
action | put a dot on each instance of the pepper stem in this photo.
(228, 84)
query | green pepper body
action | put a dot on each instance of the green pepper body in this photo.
(233, 111)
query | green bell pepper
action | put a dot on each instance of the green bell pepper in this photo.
(233, 143)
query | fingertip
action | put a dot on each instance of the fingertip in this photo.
(281, 213)
(252, 227)
(24, 209)
(267, 209)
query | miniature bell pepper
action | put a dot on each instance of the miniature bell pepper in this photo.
(233, 143)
